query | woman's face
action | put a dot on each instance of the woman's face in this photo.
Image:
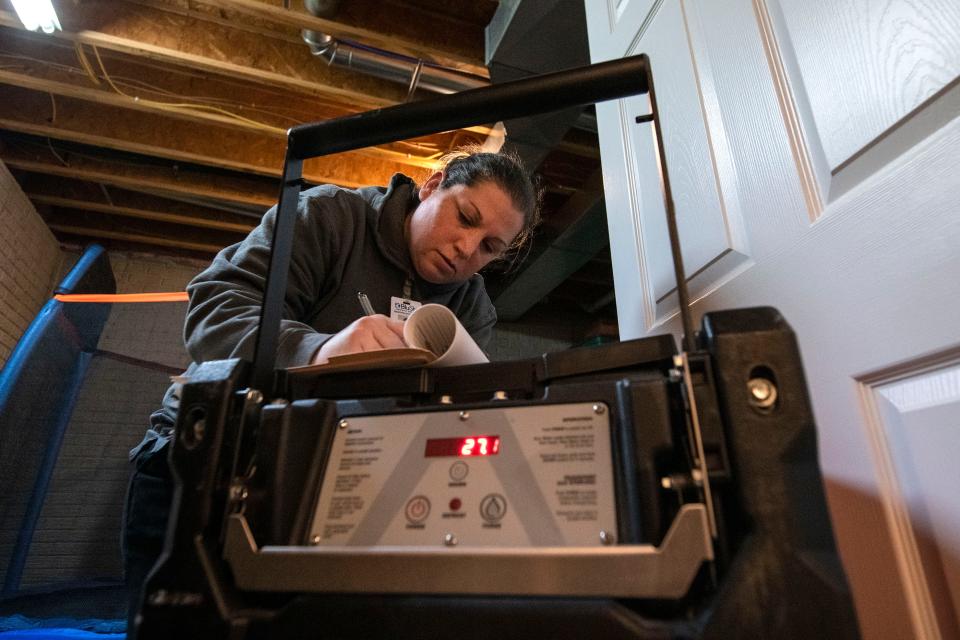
(457, 231)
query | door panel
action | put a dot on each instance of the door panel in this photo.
(914, 419)
(868, 79)
(867, 64)
(851, 220)
(612, 25)
(704, 182)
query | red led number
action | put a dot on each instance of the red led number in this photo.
(480, 446)
(463, 447)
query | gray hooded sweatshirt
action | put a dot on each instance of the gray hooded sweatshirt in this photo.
(345, 241)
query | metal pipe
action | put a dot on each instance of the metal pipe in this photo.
(392, 67)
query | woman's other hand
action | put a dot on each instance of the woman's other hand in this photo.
(369, 333)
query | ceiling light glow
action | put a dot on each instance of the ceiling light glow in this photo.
(37, 15)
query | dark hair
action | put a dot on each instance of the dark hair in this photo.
(468, 166)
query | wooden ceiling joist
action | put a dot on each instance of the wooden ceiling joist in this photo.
(137, 212)
(190, 182)
(106, 97)
(40, 62)
(94, 224)
(88, 232)
(32, 63)
(35, 113)
(87, 196)
(183, 40)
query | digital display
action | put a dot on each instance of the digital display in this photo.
(463, 447)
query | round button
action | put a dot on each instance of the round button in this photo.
(459, 471)
(417, 509)
(493, 507)
(455, 504)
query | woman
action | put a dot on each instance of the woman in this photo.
(423, 244)
(398, 242)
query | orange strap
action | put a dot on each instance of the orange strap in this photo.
(176, 296)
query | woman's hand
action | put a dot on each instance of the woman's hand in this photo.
(369, 333)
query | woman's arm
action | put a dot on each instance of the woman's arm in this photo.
(225, 299)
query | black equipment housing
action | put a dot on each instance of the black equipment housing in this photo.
(776, 571)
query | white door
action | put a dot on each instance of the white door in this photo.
(814, 151)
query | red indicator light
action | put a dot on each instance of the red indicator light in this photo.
(471, 446)
(455, 504)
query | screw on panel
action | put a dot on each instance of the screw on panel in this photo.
(315, 540)
(607, 538)
(238, 492)
(193, 434)
(499, 395)
(199, 430)
(762, 393)
(450, 540)
(599, 409)
(464, 415)
(254, 396)
(343, 424)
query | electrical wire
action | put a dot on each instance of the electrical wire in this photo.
(181, 107)
(87, 69)
(85, 63)
(55, 154)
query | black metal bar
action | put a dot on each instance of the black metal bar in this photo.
(530, 96)
(275, 287)
(683, 294)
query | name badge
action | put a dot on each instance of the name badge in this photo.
(401, 308)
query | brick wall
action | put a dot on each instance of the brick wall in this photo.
(30, 260)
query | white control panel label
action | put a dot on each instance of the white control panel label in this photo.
(521, 476)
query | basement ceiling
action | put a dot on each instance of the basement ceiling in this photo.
(159, 126)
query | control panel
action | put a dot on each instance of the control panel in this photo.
(513, 476)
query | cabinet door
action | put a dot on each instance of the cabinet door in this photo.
(812, 146)
(703, 180)
(612, 26)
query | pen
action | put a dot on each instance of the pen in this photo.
(365, 303)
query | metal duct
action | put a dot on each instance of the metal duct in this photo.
(416, 74)
(321, 8)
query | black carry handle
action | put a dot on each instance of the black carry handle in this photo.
(530, 96)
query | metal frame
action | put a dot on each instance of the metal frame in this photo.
(540, 94)
(621, 571)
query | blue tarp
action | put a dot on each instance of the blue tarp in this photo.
(17, 626)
